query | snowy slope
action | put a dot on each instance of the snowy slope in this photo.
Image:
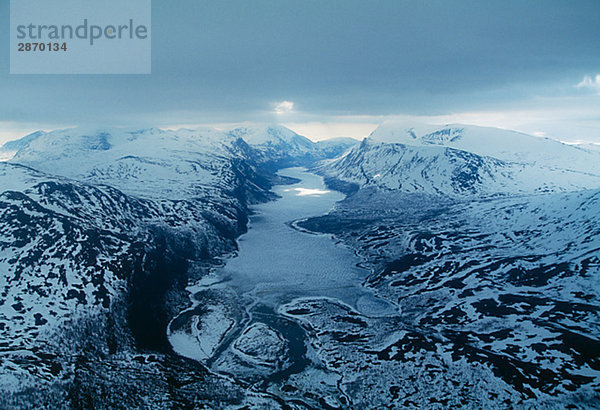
(589, 146)
(65, 253)
(281, 146)
(168, 164)
(272, 135)
(106, 225)
(9, 149)
(70, 250)
(499, 300)
(439, 170)
(489, 242)
(335, 147)
(502, 144)
(151, 162)
(14, 146)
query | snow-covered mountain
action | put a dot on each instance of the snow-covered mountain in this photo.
(498, 293)
(335, 147)
(439, 163)
(281, 146)
(10, 148)
(85, 271)
(498, 143)
(150, 162)
(101, 230)
(499, 300)
(487, 241)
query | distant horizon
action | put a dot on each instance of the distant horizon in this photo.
(330, 69)
(313, 131)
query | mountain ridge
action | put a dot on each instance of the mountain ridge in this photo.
(447, 171)
(492, 261)
(507, 145)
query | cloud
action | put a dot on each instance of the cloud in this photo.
(284, 107)
(590, 82)
(335, 127)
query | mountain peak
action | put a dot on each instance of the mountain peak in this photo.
(506, 145)
(265, 134)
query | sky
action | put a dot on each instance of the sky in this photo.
(337, 68)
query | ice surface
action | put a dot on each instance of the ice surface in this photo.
(278, 263)
(207, 332)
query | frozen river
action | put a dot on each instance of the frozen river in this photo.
(275, 265)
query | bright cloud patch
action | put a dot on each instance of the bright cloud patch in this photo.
(590, 82)
(284, 107)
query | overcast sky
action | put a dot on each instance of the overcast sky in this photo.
(331, 68)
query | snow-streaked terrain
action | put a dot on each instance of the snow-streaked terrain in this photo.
(149, 162)
(461, 270)
(281, 147)
(505, 145)
(439, 170)
(490, 244)
(95, 238)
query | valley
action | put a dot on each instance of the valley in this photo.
(226, 270)
(276, 266)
